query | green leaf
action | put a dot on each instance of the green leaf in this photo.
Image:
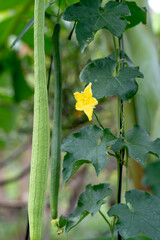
(91, 17)
(152, 177)
(140, 238)
(89, 202)
(138, 14)
(105, 82)
(88, 145)
(8, 115)
(21, 88)
(141, 214)
(62, 221)
(2, 143)
(9, 4)
(139, 144)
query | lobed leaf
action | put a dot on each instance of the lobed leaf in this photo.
(88, 145)
(105, 82)
(91, 17)
(138, 14)
(141, 214)
(139, 144)
(89, 202)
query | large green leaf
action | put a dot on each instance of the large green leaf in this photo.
(139, 144)
(91, 17)
(89, 202)
(138, 14)
(152, 177)
(105, 82)
(141, 214)
(88, 145)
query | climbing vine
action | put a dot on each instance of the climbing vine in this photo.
(114, 75)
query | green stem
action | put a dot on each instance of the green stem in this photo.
(127, 169)
(115, 48)
(100, 124)
(118, 178)
(58, 14)
(56, 132)
(109, 224)
(41, 133)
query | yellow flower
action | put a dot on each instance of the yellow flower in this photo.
(85, 101)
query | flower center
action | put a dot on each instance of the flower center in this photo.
(85, 101)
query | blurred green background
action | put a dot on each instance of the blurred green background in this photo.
(16, 114)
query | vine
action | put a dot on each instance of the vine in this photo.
(114, 75)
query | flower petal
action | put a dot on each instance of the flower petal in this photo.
(88, 111)
(88, 91)
(79, 106)
(85, 101)
(93, 101)
(78, 96)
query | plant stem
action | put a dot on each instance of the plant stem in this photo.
(106, 220)
(121, 133)
(98, 120)
(115, 48)
(126, 169)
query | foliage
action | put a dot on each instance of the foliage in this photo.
(91, 17)
(135, 216)
(89, 203)
(106, 82)
(113, 75)
(152, 177)
(88, 145)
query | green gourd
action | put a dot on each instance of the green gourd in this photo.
(56, 132)
(41, 134)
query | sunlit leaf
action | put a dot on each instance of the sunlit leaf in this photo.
(138, 14)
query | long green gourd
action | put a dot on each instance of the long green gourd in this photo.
(56, 132)
(41, 134)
